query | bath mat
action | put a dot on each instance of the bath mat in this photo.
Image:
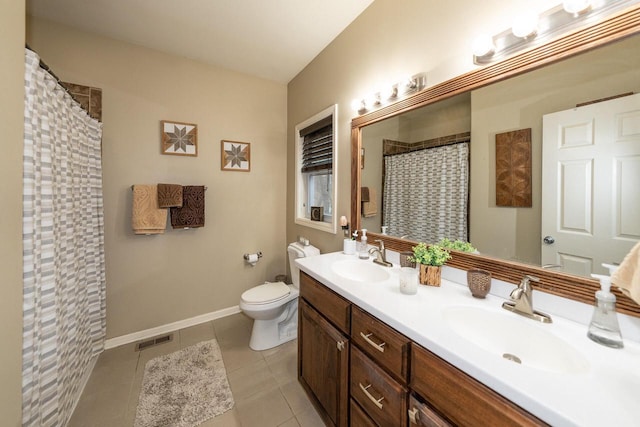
(185, 388)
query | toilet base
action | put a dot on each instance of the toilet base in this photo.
(267, 334)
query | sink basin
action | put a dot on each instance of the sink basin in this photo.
(360, 271)
(515, 339)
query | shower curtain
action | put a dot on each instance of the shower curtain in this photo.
(63, 243)
(426, 193)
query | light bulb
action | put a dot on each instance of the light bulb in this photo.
(525, 25)
(356, 104)
(483, 45)
(576, 7)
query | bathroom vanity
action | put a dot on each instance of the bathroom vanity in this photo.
(369, 355)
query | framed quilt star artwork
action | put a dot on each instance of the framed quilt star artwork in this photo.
(236, 156)
(179, 139)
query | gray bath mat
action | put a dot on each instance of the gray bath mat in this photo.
(185, 388)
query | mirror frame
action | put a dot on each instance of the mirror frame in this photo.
(611, 29)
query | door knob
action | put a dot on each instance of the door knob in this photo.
(549, 240)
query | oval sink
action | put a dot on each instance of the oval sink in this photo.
(515, 340)
(360, 271)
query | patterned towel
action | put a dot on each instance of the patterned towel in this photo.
(146, 217)
(169, 195)
(191, 214)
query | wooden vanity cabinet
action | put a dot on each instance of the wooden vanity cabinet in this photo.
(323, 350)
(358, 371)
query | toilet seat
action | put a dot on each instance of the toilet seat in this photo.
(267, 293)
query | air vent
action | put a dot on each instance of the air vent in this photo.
(151, 342)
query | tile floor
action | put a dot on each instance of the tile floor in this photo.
(264, 383)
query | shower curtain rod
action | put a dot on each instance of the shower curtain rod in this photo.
(45, 67)
(443, 144)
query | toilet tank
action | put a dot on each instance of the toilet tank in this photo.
(298, 250)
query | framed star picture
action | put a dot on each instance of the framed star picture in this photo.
(179, 139)
(236, 156)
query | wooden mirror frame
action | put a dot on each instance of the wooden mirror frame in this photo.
(614, 28)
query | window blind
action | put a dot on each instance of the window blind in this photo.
(317, 146)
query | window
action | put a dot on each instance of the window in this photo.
(316, 170)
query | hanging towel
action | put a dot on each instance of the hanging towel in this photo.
(146, 217)
(169, 195)
(364, 194)
(370, 208)
(627, 276)
(191, 214)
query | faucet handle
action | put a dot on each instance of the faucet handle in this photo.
(531, 278)
(381, 244)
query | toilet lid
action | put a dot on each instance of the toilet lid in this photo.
(269, 292)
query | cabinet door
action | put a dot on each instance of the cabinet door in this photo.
(323, 364)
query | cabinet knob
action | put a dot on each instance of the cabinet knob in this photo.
(413, 416)
(340, 345)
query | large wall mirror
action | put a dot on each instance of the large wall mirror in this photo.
(450, 131)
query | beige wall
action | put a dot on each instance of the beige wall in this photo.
(11, 123)
(387, 41)
(155, 280)
(520, 103)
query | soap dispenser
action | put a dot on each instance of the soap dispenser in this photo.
(362, 245)
(604, 328)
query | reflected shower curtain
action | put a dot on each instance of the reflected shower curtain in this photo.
(426, 193)
(63, 244)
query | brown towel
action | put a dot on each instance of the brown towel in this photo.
(146, 217)
(627, 276)
(364, 194)
(370, 208)
(191, 214)
(169, 195)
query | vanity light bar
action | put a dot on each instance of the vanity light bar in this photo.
(389, 94)
(554, 22)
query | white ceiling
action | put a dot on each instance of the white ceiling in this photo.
(272, 39)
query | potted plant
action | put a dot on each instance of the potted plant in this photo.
(456, 245)
(431, 259)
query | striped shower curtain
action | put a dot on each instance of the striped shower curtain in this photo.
(426, 193)
(63, 243)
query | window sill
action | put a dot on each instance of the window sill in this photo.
(318, 225)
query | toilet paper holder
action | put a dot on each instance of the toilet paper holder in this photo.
(246, 256)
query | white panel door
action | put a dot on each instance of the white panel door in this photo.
(591, 185)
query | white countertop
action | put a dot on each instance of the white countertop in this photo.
(606, 394)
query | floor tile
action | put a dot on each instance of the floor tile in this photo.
(195, 334)
(310, 418)
(265, 409)
(251, 379)
(264, 383)
(290, 423)
(228, 419)
(296, 397)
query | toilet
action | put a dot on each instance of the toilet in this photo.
(274, 305)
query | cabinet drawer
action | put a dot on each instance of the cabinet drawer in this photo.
(331, 305)
(420, 414)
(462, 399)
(358, 418)
(382, 398)
(381, 343)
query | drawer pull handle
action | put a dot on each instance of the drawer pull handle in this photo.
(379, 347)
(371, 398)
(413, 416)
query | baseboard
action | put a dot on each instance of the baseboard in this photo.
(169, 327)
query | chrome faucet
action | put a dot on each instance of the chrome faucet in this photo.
(380, 255)
(522, 303)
